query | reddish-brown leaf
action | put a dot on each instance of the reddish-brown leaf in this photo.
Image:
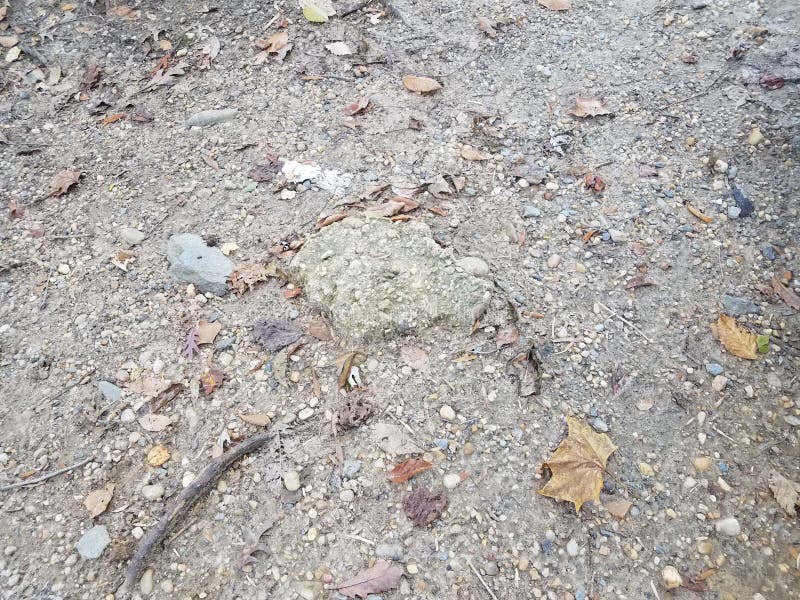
(408, 469)
(470, 153)
(556, 4)
(423, 506)
(361, 105)
(421, 85)
(772, 82)
(62, 181)
(588, 107)
(638, 281)
(325, 221)
(375, 580)
(594, 183)
(588, 235)
(487, 26)
(292, 292)
(211, 380)
(320, 330)
(786, 294)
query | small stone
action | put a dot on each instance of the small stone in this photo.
(524, 563)
(110, 392)
(531, 212)
(523, 183)
(207, 118)
(736, 306)
(491, 568)
(347, 496)
(451, 481)
(689, 483)
(553, 261)
(734, 212)
(389, 551)
(167, 586)
(720, 166)
(146, 583)
(572, 548)
(350, 468)
(767, 249)
(755, 137)
(93, 542)
(599, 424)
(305, 414)
(469, 449)
(617, 236)
(312, 533)
(671, 578)
(729, 526)
(719, 382)
(447, 413)
(705, 548)
(702, 463)
(714, 369)
(291, 481)
(412, 568)
(474, 266)
(193, 261)
(131, 236)
(127, 416)
(63, 268)
(187, 479)
(646, 470)
(153, 492)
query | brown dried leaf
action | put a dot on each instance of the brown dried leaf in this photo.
(207, 332)
(487, 26)
(407, 469)
(62, 181)
(158, 455)
(416, 124)
(347, 364)
(320, 330)
(556, 4)
(211, 380)
(787, 493)
(578, 465)
(154, 423)
(528, 368)
(257, 419)
(736, 340)
(16, 210)
(594, 183)
(274, 43)
(97, 500)
(638, 281)
(414, 357)
(361, 105)
(112, 119)
(423, 506)
(245, 277)
(124, 12)
(355, 412)
(330, 219)
(380, 578)
(618, 507)
(90, 77)
(421, 85)
(588, 107)
(439, 187)
(506, 336)
(786, 294)
(470, 153)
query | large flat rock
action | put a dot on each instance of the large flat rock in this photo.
(377, 279)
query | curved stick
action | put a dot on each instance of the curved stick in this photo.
(204, 480)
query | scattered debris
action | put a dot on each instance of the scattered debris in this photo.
(423, 506)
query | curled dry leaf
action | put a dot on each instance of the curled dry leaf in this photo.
(124, 12)
(588, 107)
(245, 277)
(638, 281)
(421, 85)
(190, 347)
(319, 329)
(556, 4)
(274, 43)
(274, 335)
(786, 492)
(158, 455)
(361, 105)
(423, 506)
(154, 423)
(257, 419)
(97, 500)
(528, 368)
(112, 119)
(487, 26)
(407, 469)
(330, 219)
(62, 181)
(736, 340)
(578, 465)
(470, 153)
(786, 294)
(379, 578)
(506, 336)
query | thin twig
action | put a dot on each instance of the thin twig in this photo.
(42, 478)
(485, 585)
(204, 480)
(655, 591)
(624, 320)
(46, 288)
(697, 95)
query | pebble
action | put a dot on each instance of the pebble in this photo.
(671, 578)
(305, 413)
(714, 369)
(93, 542)
(447, 413)
(702, 463)
(646, 470)
(734, 212)
(469, 449)
(729, 526)
(291, 481)
(153, 492)
(491, 568)
(737, 306)
(474, 266)
(599, 424)
(572, 548)
(719, 382)
(390, 551)
(167, 586)
(110, 392)
(755, 137)
(451, 480)
(553, 261)
(347, 495)
(617, 236)
(193, 261)
(350, 468)
(531, 212)
(767, 249)
(131, 236)
(127, 416)
(705, 548)
(146, 583)
(207, 118)
(63, 268)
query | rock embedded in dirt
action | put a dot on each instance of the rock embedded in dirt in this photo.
(736, 306)
(291, 481)
(206, 118)
(671, 578)
(110, 392)
(447, 413)
(93, 542)
(719, 383)
(474, 266)
(714, 369)
(131, 236)
(193, 261)
(451, 481)
(729, 526)
(146, 583)
(378, 279)
(153, 492)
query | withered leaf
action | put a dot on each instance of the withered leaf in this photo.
(211, 48)
(275, 334)
(736, 340)
(361, 105)
(528, 368)
(618, 507)
(414, 357)
(470, 153)
(439, 188)
(423, 506)
(487, 26)
(638, 281)
(407, 469)
(97, 501)
(698, 213)
(594, 183)
(421, 85)
(506, 336)
(123, 12)
(158, 455)
(556, 4)
(415, 124)
(588, 107)
(154, 423)
(112, 118)
(320, 330)
(578, 465)
(347, 361)
(207, 332)
(786, 294)
(62, 181)
(211, 380)
(90, 77)
(355, 412)
(257, 419)
(274, 43)
(787, 493)
(266, 171)
(379, 578)
(190, 347)
(245, 277)
(330, 219)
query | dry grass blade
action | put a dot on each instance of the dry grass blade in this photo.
(698, 213)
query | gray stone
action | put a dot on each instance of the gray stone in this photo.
(736, 306)
(734, 212)
(729, 526)
(474, 266)
(153, 492)
(572, 548)
(131, 235)
(390, 551)
(617, 236)
(714, 369)
(207, 118)
(111, 393)
(768, 250)
(350, 468)
(193, 261)
(599, 424)
(531, 212)
(93, 542)
(377, 279)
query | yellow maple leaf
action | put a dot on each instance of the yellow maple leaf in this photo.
(578, 465)
(736, 340)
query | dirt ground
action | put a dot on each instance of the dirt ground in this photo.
(702, 99)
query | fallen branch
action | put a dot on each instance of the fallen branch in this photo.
(45, 477)
(204, 480)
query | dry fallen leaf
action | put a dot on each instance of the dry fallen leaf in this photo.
(588, 107)
(274, 335)
(487, 26)
(578, 465)
(786, 294)
(320, 330)
(361, 105)
(211, 380)
(257, 419)
(407, 469)
(470, 153)
(506, 336)
(380, 578)
(62, 181)
(329, 220)
(421, 85)
(638, 281)
(787, 493)
(414, 357)
(423, 506)
(124, 12)
(274, 43)
(158, 455)
(556, 4)
(594, 183)
(206, 332)
(736, 340)
(154, 423)
(245, 277)
(112, 119)
(527, 366)
(97, 500)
